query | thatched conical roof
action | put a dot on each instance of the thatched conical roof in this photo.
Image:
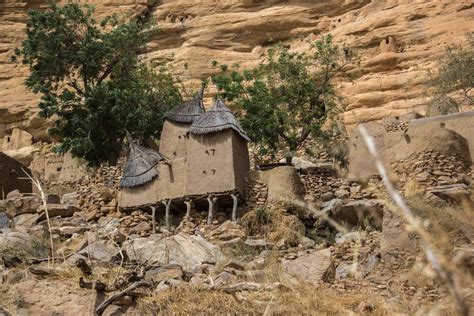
(140, 166)
(188, 111)
(217, 119)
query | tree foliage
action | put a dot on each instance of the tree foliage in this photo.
(91, 80)
(288, 97)
(453, 80)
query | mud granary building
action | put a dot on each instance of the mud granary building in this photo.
(203, 156)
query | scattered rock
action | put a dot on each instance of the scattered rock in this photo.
(351, 236)
(315, 268)
(258, 243)
(70, 198)
(166, 272)
(62, 210)
(360, 213)
(25, 221)
(22, 203)
(185, 250)
(101, 250)
(4, 221)
(451, 192)
(464, 258)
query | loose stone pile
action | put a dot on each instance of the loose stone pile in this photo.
(396, 127)
(432, 168)
(256, 192)
(138, 222)
(324, 185)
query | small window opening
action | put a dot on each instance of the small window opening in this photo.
(443, 125)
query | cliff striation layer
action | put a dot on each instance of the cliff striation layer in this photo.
(398, 41)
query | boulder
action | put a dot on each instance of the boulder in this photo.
(25, 221)
(358, 213)
(100, 250)
(351, 236)
(228, 231)
(4, 222)
(62, 210)
(257, 243)
(314, 268)
(361, 213)
(70, 198)
(185, 250)
(284, 184)
(13, 239)
(22, 203)
(300, 163)
(458, 192)
(396, 240)
(167, 272)
(18, 139)
(464, 258)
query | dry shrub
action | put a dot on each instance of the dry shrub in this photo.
(274, 224)
(413, 189)
(286, 227)
(240, 251)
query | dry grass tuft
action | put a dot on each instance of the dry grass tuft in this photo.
(186, 301)
(274, 224)
(306, 300)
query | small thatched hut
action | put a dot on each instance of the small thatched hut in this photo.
(219, 158)
(139, 185)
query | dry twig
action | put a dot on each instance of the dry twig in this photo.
(101, 308)
(37, 184)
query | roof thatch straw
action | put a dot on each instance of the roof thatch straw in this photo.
(188, 111)
(140, 166)
(217, 119)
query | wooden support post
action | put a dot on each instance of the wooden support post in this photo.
(153, 219)
(212, 200)
(234, 207)
(167, 204)
(188, 209)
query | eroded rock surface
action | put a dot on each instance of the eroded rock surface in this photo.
(396, 40)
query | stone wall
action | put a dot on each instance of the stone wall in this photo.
(320, 185)
(397, 140)
(431, 168)
(324, 185)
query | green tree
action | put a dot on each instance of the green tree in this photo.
(91, 80)
(453, 80)
(288, 97)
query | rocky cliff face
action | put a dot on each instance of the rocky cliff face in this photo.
(397, 40)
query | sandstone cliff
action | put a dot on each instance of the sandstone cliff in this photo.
(397, 40)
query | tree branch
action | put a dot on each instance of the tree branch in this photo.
(74, 85)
